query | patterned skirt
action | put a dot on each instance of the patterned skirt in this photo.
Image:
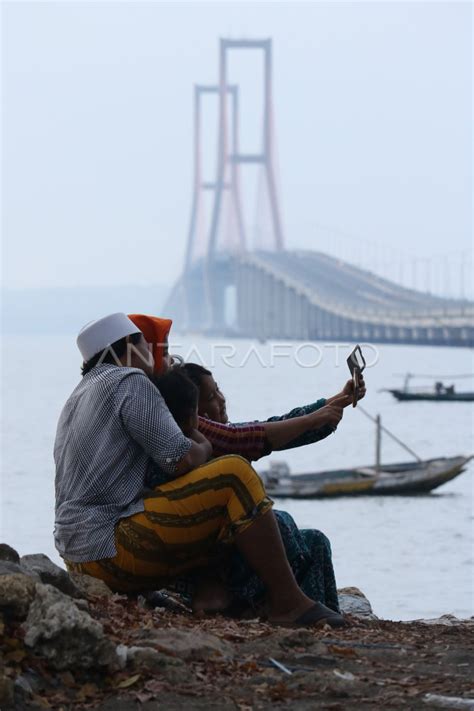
(309, 554)
(187, 524)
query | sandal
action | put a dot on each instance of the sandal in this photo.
(317, 616)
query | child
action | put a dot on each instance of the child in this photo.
(181, 396)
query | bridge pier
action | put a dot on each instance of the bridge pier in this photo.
(279, 309)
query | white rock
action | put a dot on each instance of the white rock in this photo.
(66, 635)
(448, 702)
(448, 620)
(16, 594)
(353, 601)
(91, 587)
(194, 644)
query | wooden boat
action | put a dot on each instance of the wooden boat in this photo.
(417, 477)
(448, 396)
(438, 392)
(389, 479)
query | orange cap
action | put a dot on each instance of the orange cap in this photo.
(155, 331)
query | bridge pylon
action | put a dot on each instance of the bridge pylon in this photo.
(200, 187)
(228, 161)
(227, 176)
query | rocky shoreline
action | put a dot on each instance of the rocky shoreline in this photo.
(67, 642)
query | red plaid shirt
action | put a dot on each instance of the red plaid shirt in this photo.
(248, 441)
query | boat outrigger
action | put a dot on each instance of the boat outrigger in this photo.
(439, 392)
(417, 477)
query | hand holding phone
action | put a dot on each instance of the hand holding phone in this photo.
(356, 363)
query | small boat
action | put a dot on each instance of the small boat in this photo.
(401, 479)
(438, 393)
(446, 396)
(416, 477)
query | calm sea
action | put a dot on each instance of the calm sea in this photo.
(412, 556)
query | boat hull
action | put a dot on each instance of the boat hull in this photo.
(395, 479)
(403, 396)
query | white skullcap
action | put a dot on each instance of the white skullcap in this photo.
(95, 336)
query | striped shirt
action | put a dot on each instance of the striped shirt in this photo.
(249, 440)
(114, 430)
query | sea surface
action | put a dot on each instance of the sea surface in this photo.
(412, 556)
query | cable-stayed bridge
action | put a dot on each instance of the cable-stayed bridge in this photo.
(243, 284)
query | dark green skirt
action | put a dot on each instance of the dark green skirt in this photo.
(309, 554)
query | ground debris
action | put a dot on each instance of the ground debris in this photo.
(226, 664)
(111, 652)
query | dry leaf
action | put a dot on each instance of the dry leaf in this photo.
(12, 642)
(143, 696)
(129, 681)
(342, 651)
(67, 679)
(16, 656)
(86, 691)
(154, 686)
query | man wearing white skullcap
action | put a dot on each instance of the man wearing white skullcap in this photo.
(96, 336)
(114, 432)
(114, 427)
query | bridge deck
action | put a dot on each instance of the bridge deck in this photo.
(355, 293)
(310, 295)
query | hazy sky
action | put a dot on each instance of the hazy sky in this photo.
(373, 122)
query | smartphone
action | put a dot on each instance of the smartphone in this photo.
(356, 363)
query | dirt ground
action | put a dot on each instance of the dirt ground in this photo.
(368, 665)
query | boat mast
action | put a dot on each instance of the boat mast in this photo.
(390, 434)
(378, 443)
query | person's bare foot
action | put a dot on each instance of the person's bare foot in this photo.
(211, 595)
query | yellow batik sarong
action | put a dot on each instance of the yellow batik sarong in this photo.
(184, 523)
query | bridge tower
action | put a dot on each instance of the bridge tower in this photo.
(229, 160)
(204, 240)
(200, 186)
(199, 284)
